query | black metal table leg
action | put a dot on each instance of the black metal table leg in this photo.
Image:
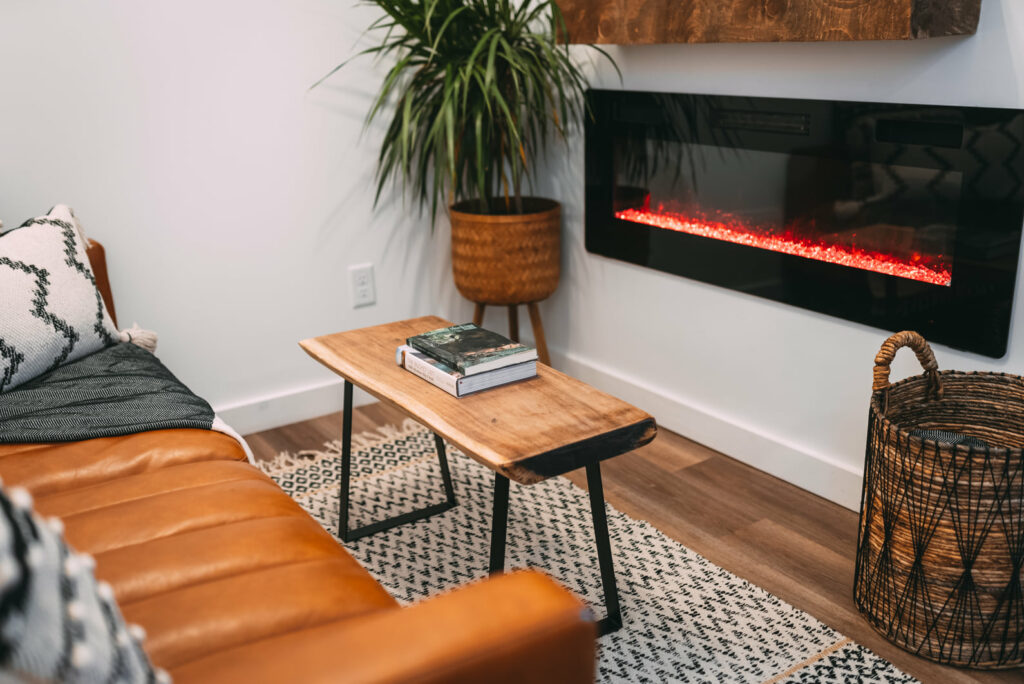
(499, 528)
(346, 476)
(499, 524)
(613, 621)
(346, 461)
(446, 477)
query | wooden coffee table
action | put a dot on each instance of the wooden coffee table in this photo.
(527, 432)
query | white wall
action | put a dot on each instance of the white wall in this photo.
(230, 199)
(781, 388)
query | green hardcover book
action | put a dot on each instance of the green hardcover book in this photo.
(470, 349)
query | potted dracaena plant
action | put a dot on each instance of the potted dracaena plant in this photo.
(476, 91)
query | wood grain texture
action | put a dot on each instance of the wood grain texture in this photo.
(742, 21)
(790, 542)
(527, 431)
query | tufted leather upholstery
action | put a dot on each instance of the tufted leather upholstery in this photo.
(233, 581)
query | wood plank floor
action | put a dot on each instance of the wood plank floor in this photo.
(796, 545)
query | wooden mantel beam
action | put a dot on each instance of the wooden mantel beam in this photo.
(741, 21)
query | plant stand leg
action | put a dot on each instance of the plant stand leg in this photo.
(513, 322)
(538, 333)
(478, 314)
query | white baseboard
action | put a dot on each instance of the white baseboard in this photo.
(816, 473)
(287, 406)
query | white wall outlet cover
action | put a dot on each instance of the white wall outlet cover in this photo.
(364, 291)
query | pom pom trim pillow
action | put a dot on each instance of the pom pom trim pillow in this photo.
(57, 623)
(51, 312)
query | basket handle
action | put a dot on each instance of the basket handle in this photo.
(906, 338)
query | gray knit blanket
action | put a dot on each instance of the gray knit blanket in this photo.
(119, 390)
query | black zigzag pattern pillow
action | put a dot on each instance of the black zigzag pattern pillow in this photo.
(51, 311)
(57, 623)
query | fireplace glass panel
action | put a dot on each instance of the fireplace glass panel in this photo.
(898, 216)
(888, 218)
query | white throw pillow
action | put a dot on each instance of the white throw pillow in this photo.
(50, 310)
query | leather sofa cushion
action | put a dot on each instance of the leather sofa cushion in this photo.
(212, 616)
(233, 581)
(202, 550)
(48, 468)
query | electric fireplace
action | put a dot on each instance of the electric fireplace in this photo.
(896, 216)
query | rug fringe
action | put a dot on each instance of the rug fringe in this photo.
(285, 461)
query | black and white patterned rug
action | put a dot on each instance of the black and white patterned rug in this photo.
(686, 619)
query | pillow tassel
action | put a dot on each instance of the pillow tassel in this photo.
(143, 338)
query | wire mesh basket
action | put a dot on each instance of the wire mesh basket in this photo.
(941, 539)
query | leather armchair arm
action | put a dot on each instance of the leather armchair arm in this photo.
(510, 628)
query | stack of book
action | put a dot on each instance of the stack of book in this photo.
(466, 358)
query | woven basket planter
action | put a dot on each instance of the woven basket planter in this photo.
(507, 258)
(941, 539)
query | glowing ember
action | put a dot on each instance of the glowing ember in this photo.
(914, 268)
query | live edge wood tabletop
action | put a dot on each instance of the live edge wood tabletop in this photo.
(527, 431)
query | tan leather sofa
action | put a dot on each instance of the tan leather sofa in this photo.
(233, 581)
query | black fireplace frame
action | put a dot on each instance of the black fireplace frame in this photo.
(973, 313)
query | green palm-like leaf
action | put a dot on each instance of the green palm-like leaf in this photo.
(475, 91)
